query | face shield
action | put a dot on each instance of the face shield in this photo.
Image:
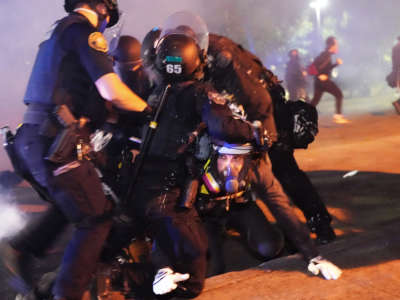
(188, 24)
(113, 33)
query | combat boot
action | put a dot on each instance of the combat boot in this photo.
(320, 225)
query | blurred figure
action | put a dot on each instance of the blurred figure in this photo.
(322, 82)
(393, 79)
(295, 77)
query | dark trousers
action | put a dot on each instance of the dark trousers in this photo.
(179, 238)
(330, 87)
(261, 237)
(78, 199)
(269, 190)
(297, 185)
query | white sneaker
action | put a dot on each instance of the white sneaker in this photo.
(339, 119)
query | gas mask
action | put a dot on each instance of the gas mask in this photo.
(227, 169)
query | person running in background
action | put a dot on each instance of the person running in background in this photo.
(322, 79)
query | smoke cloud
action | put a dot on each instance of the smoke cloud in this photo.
(12, 218)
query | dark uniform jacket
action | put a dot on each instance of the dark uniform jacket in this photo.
(66, 67)
(240, 73)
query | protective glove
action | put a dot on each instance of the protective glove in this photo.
(326, 268)
(166, 280)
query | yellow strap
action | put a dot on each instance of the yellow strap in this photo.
(153, 124)
(230, 196)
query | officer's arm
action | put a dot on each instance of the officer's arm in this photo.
(91, 48)
(113, 89)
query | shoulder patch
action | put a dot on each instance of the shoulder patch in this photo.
(217, 98)
(98, 42)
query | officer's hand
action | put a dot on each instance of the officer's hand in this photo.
(339, 61)
(323, 77)
(166, 280)
(325, 267)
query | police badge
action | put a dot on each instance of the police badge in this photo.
(98, 42)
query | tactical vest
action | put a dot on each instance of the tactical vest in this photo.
(178, 119)
(45, 73)
(58, 77)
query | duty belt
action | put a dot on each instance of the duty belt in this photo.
(37, 113)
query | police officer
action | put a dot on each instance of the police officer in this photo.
(294, 181)
(180, 241)
(241, 75)
(70, 82)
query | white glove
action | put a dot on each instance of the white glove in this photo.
(166, 281)
(328, 270)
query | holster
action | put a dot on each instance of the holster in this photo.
(63, 148)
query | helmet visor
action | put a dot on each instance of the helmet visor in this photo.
(188, 24)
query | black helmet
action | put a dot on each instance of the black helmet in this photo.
(128, 50)
(181, 47)
(178, 58)
(148, 50)
(112, 6)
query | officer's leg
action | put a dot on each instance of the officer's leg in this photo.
(180, 235)
(303, 193)
(263, 239)
(215, 228)
(41, 233)
(80, 196)
(269, 190)
(30, 148)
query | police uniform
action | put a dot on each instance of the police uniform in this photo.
(242, 75)
(178, 232)
(66, 67)
(294, 181)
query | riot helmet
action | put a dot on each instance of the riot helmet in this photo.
(127, 51)
(112, 8)
(181, 48)
(148, 50)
